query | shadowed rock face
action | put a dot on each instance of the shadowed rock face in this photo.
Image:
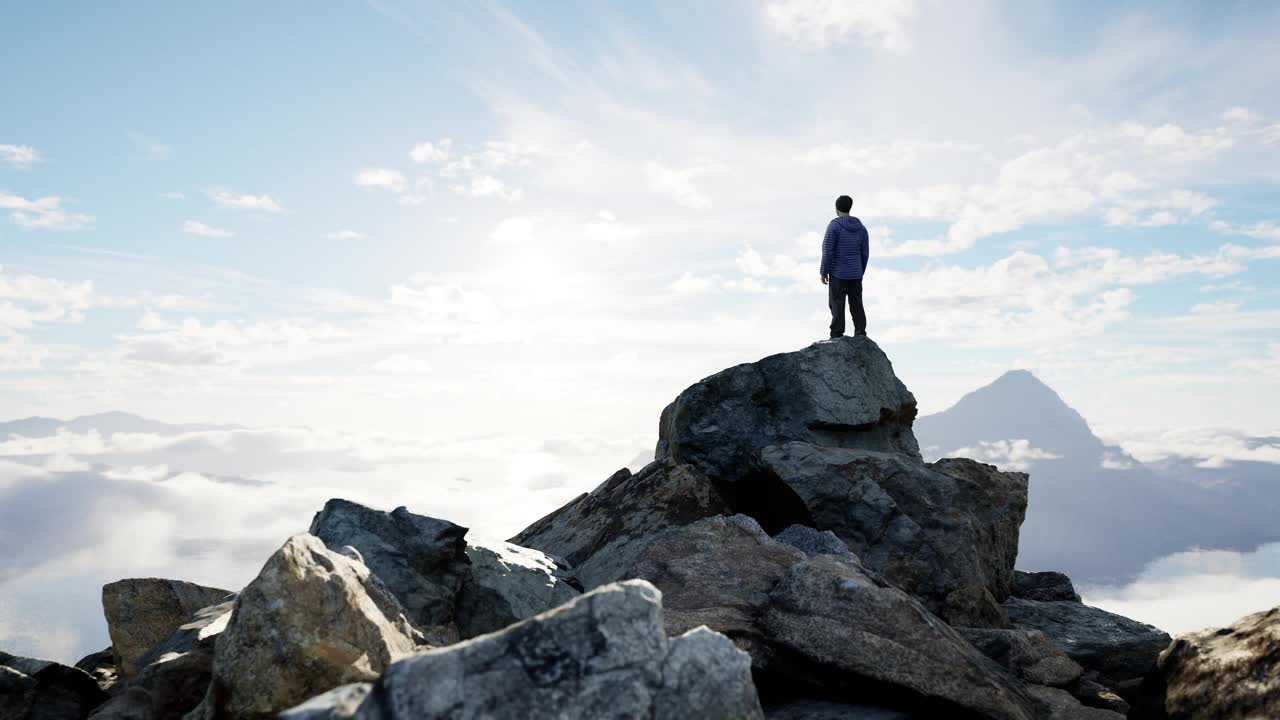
(601, 533)
(422, 560)
(604, 654)
(838, 393)
(1118, 648)
(821, 622)
(143, 611)
(1231, 672)
(41, 690)
(946, 532)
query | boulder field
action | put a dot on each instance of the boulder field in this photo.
(787, 555)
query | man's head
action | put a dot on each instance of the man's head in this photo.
(844, 204)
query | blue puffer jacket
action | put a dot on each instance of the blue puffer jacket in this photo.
(845, 248)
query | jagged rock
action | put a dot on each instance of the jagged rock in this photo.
(508, 583)
(1043, 586)
(841, 393)
(340, 703)
(718, 572)
(1030, 654)
(33, 689)
(816, 542)
(101, 666)
(308, 623)
(945, 532)
(809, 709)
(603, 654)
(143, 611)
(1058, 704)
(422, 560)
(1231, 672)
(602, 533)
(1116, 647)
(842, 626)
(173, 677)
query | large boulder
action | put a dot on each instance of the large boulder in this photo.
(1231, 672)
(1029, 654)
(946, 532)
(847, 630)
(143, 611)
(718, 572)
(33, 689)
(422, 560)
(508, 583)
(340, 703)
(1043, 586)
(838, 393)
(821, 623)
(312, 620)
(174, 676)
(1058, 704)
(602, 533)
(603, 654)
(1118, 648)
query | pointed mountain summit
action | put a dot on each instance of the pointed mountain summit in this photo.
(1016, 405)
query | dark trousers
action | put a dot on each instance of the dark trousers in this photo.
(837, 291)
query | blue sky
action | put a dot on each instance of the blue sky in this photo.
(210, 211)
(474, 248)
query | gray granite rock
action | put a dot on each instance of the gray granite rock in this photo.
(816, 542)
(1043, 586)
(838, 393)
(946, 532)
(507, 583)
(1058, 704)
(841, 627)
(602, 533)
(422, 560)
(33, 689)
(1231, 672)
(1116, 647)
(603, 654)
(1029, 654)
(307, 624)
(340, 703)
(143, 611)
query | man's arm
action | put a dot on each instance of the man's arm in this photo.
(828, 246)
(866, 247)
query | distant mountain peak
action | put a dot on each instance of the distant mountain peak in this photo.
(1016, 405)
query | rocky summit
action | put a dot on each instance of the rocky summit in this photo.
(787, 555)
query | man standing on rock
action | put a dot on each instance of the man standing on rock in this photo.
(845, 250)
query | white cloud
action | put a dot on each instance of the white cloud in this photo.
(28, 300)
(1016, 454)
(1209, 446)
(1196, 589)
(824, 22)
(384, 178)
(346, 234)
(44, 213)
(1258, 230)
(193, 227)
(676, 184)
(426, 152)
(244, 201)
(488, 186)
(19, 156)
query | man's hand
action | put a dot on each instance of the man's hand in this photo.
(825, 278)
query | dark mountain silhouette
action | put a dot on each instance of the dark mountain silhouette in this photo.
(106, 423)
(1094, 511)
